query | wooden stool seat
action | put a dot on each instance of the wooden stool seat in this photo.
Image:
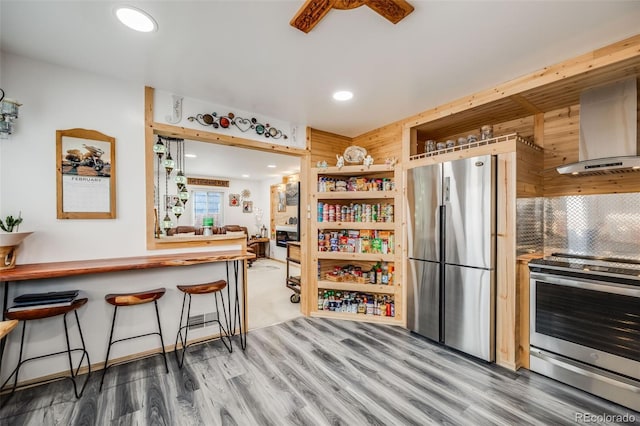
(129, 299)
(40, 313)
(203, 288)
(6, 327)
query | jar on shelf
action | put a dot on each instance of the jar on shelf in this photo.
(430, 146)
(486, 132)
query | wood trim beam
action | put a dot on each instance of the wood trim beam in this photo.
(596, 59)
(211, 137)
(524, 103)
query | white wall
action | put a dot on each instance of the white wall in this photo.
(233, 215)
(56, 98)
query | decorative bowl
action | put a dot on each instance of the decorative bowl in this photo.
(354, 154)
(8, 239)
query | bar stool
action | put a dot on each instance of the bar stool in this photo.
(36, 313)
(132, 299)
(216, 288)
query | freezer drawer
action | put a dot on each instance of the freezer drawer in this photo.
(469, 324)
(423, 297)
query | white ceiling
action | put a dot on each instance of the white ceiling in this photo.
(226, 161)
(244, 54)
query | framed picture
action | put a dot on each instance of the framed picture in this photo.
(282, 201)
(85, 174)
(234, 200)
(292, 194)
(247, 206)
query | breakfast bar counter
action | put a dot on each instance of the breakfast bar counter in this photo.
(43, 273)
(36, 271)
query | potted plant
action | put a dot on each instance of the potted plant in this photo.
(10, 238)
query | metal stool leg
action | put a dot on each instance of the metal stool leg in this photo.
(164, 354)
(186, 331)
(84, 352)
(17, 369)
(106, 360)
(226, 331)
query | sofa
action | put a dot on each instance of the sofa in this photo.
(216, 230)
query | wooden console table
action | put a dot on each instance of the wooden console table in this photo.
(262, 245)
(38, 271)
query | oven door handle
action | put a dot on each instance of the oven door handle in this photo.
(584, 370)
(605, 287)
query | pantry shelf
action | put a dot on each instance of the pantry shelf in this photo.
(369, 194)
(356, 225)
(357, 317)
(351, 286)
(350, 195)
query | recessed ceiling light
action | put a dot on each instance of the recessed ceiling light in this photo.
(271, 166)
(245, 176)
(136, 19)
(342, 95)
(190, 155)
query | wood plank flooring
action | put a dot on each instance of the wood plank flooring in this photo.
(312, 371)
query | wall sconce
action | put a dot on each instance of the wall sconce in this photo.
(8, 113)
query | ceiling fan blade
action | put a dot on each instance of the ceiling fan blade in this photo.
(393, 10)
(310, 14)
(347, 4)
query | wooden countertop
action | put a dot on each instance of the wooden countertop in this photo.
(529, 256)
(81, 267)
(6, 327)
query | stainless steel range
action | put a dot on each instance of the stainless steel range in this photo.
(585, 324)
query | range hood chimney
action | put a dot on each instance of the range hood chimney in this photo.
(608, 130)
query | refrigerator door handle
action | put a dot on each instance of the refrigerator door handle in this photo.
(447, 189)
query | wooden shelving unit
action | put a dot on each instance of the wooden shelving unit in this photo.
(355, 317)
(323, 261)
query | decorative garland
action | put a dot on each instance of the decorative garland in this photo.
(242, 124)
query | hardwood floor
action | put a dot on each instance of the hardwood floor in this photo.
(311, 371)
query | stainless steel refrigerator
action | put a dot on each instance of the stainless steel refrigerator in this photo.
(451, 277)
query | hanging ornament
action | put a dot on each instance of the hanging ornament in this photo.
(180, 179)
(169, 164)
(159, 148)
(167, 223)
(178, 209)
(183, 195)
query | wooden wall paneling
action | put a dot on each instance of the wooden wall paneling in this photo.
(325, 146)
(152, 216)
(529, 167)
(273, 209)
(382, 143)
(506, 296)
(401, 250)
(308, 183)
(523, 296)
(522, 329)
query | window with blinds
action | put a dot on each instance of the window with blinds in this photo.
(208, 204)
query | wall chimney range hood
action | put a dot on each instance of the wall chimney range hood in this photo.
(608, 130)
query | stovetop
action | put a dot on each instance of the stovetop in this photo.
(593, 265)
